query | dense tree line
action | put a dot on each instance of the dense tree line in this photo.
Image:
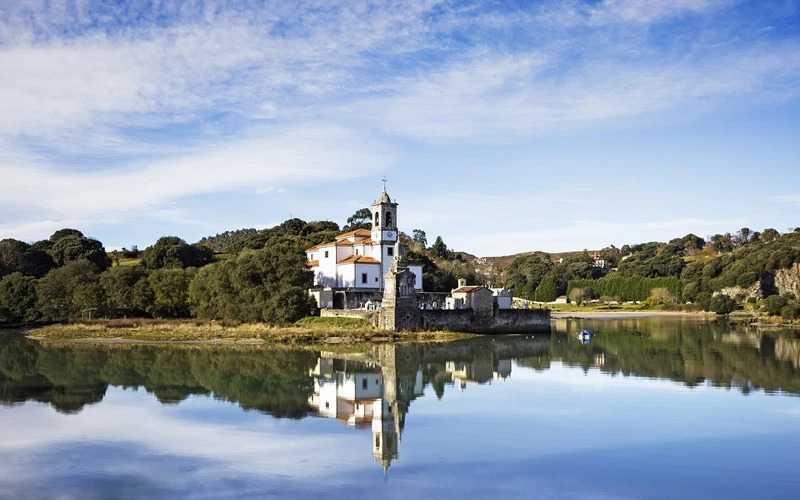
(70, 377)
(68, 277)
(626, 288)
(690, 268)
(684, 354)
(536, 277)
(222, 242)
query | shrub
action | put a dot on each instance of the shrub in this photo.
(704, 300)
(661, 296)
(773, 305)
(791, 311)
(722, 304)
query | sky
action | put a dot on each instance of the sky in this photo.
(502, 126)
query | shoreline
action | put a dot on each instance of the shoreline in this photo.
(626, 314)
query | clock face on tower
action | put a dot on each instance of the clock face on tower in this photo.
(389, 235)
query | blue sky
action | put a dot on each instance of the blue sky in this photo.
(502, 126)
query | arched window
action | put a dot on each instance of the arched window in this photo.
(377, 219)
(388, 219)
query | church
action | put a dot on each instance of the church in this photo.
(360, 259)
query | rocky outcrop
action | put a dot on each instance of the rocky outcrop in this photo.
(756, 291)
(788, 280)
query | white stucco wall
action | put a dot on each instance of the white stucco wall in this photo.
(373, 275)
(417, 270)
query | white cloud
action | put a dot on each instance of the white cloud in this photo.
(490, 96)
(637, 12)
(302, 155)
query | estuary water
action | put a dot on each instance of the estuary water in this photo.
(645, 408)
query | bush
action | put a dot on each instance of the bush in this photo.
(773, 305)
(747, 279)
(791, 311)
(661, 296)
(704, 301)
(722, 304)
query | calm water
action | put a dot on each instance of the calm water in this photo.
(649, 408)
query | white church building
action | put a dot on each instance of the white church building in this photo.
(360, 259)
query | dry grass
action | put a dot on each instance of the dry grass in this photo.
(148, 330)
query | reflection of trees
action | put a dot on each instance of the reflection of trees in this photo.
(71, 376)
(691, 353)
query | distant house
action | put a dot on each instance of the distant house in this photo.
(561, 300)
(599, 261)
(478, 298)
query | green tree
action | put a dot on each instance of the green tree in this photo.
(18, 256)
(69, 245)
(170, 292)
(119, 286)
(773, 305)
(173, 252)
(439, 249)
(722, 304)
(546, 291)
(769, 235)
(420, 238)
(270, 284)
(525, 273)
(662, 296)
(361, 219)
(580, 295)
(18, 299)
(66, 292)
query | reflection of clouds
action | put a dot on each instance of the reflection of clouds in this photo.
(595, 380)
(136, 419)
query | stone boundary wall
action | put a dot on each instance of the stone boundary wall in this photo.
(371, 316)
(502, 321)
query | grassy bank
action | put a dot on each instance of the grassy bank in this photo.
(308, 331)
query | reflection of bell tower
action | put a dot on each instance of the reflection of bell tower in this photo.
(385, 437)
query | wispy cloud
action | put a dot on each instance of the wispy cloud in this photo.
(49, 196)
(110, 109)
(637, 12)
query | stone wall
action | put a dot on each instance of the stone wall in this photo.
(371, 316)
(432, 300)
(502, 321)
(355, 299)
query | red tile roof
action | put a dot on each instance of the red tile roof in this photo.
(467, 289)
(312, 263)
(359, 259)
(357, 232)
(343, 243)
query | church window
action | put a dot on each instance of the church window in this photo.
(390, 251)
(377, 219)
(364, 278)
(388, 219)
(356, 252)
(326, 254)
(364, 383)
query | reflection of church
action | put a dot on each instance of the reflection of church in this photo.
(364, 395)
(374, 390)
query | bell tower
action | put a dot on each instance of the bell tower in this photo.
(384, 221)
